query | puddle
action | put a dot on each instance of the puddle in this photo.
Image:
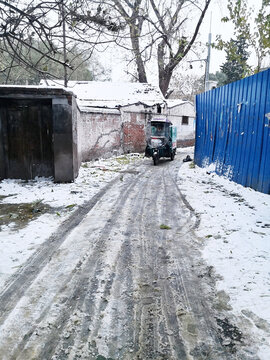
(230, 333)
(21, 214)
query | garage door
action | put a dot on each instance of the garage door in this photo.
(26, 132)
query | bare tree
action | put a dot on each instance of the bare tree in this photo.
(34, 34)
(133, 14)
(169, 28)
(186, 85)
(82, 69)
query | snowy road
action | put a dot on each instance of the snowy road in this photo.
(124, 279)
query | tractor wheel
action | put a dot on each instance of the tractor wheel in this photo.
(155, 159)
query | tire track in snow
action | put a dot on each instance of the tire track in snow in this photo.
(73, 289)
(21, 280)
(118, 286)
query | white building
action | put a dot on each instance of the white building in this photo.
(182, 115)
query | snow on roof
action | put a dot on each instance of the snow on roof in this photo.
(110, 94)
(27, 88)
(177, 102)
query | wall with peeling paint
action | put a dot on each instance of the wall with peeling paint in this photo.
(99, 134)
(103, 132)
(233, 131)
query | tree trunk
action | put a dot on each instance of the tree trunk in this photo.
(137, 53)
(164, 71)
(164, 80)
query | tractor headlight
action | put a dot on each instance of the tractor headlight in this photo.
(155, 143)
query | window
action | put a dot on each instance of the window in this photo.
(158, 109)
(158, 129)
(184, 120)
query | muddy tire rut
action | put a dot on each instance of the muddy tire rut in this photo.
(112, 284)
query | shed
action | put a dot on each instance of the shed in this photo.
(38, 133)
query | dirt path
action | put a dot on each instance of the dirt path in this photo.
(113, 285)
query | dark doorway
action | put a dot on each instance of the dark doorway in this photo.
(26, 131)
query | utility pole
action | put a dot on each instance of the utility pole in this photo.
(207, 67)
(207, 61)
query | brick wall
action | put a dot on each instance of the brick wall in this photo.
(133, 131)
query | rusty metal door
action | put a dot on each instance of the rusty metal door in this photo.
(27, 148)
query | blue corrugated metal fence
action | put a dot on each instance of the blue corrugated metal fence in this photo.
(233, 131)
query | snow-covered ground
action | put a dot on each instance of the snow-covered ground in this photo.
(234, 228)
(18, 243)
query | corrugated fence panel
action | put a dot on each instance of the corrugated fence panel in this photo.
(264, 172)
(257, 133)
(233, 131)
(199, 129)
(247, 123)
(228, 153)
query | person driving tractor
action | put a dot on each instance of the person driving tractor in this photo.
(159, 130)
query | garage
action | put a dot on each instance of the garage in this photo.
(38, 135)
